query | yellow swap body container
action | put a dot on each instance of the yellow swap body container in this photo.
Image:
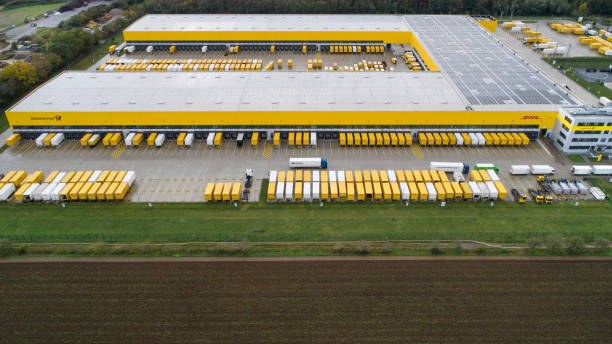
(271, 191)
(208, 192)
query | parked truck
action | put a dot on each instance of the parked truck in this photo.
(602, 170)
(450, 166)
(307, 163)
(581, 170)
(542, 169)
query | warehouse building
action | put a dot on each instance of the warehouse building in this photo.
(583, 130)
(471, 82)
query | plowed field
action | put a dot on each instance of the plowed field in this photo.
(367, 301)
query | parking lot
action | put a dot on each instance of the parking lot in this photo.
(179, 174)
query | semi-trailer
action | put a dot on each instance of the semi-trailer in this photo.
(449, 166)
(581, 170)
(542, 169)
(519, 169)
(602, 170)
(308, 163)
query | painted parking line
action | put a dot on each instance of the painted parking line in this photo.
(417, 151)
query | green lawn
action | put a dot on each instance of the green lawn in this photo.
(97, 54)
(182, 222)
(576, 158)
(596, 89)
(17, 15)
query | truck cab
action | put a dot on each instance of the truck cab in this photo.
(324, 163)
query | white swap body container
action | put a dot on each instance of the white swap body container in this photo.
(316, 176)
(38, 194)
(392, 176)
(28, 194)
(581, 170)
(341, 177)
(189, 139)
(564, 188)
(57, 139)
(493, 193)
(40, 138)
(316, 191)
(280, 191)
(476, 194)
(47, 194)
(306, 194)
(473, 139)
(6, 191)
(404, 191)
(94, 176)
(289, 191)
(210, 139)
(57, 190)
(93, 138)
(493, 175)
(59, 177)
(542, 169)
(602, 169)
(573, 188)
(597, 193)
(273, 176)
(159, 140)
(481, 139)
(313, 139)
(459, 139)
(458, 177)
(581, 188)
(519, 169)
(431, 190)
(129, 178)
(332, 176)
(484, 191)
(129, 138)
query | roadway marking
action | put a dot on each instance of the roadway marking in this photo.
(547, 151)
(267, 151)
(118, 152)
(417, 151)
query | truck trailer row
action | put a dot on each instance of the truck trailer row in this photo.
(375, 139)
(67, 186)
(377, 185)
(223, 192)
(472, 139)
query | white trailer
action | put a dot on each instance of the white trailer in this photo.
(316, 191)
(519, 169)
(59, 177)
(332, 176)
(94, 138)
(28, 194)
(39, 193)
(129, 138)
(493, 175)
(459, 139)
(94, 176)
(341, 177)
(595, 191)
(484, 191)
(573, 188)
(481, 139)
(565, 189)
(542, 169)
(57, 139)
(581, 170)
(273, 175)
(210, 139)
(307, 163)
(6, 191)
(605, 101)
(289, 191)
(313, 139)
(57, 190)
(129, 178)
(449, 166)
(473, 139)
(392, 176)
(432, 195)
(316, 176)
(160, 139)
(39, 140)
(493, 193)
(47, 194)
(581, 188)
(602, 170)
(476, 195)
(306, 194)
(280, 191)
(404, 191)
(189, 139)
(458, 177)
(204, 49)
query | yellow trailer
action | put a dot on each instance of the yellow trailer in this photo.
(475, 176)
(254, 139)
(408, 139)
(236, 190)
(299, 175)
(76, 178)
(85, 176)
(103, 176)
(426, 176)
(368, 189)
(495, 139)
(111, 176)
(17, 178)
(298, 191)
(34, 177)
(457, 191)
(387, 193)
(423, 194)
(84, 191)
(121, 191)
(74, 192)
(467, 140)
(227, 191)
(101, 193)
(85, 139)
(307, 176)
(65, 193)
(342, 140)
(218, 192)
(401, 177)
(448, 189)
(501, 189)
(430, 139)
(440, 191)
(68, 177)
(442, 176)
(107, 139)
(93, 191)
(360, 190)
(435, 177)
(488, 139)
(422, 139)
(333, 191)
(181, 139)
(393, 139)
(18, 195)
(484, 175)
(414, 191)
(503, 139)
(509, 139)
(290, 175)
(375, 176)
(115, 139)
(342, 193)
(51, 177)
(386, 139)
(418, 177)
(280, 177)
(401, 139)
(47, 139)
(218, 139)
(13, 139)
(445, 139)
(357, 139)
(384, 177)
(365, 139)
(358, 176)
(395, 191)
(409, 176)
(437, 139)
(379, 139)
(276, 139)
(291, 139)
(378, 195)
(467, 191)
(367, 176)
(518, 140)
(349, 139)
(350, 191)
(151, 139)
(137, 139)
(110, 192)
(271, 190)
(119, 177)
(452, 140)
(324, 191)
(210, 188)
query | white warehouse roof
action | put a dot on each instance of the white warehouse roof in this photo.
(268, 22)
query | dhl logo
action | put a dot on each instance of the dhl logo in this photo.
(530, 117)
